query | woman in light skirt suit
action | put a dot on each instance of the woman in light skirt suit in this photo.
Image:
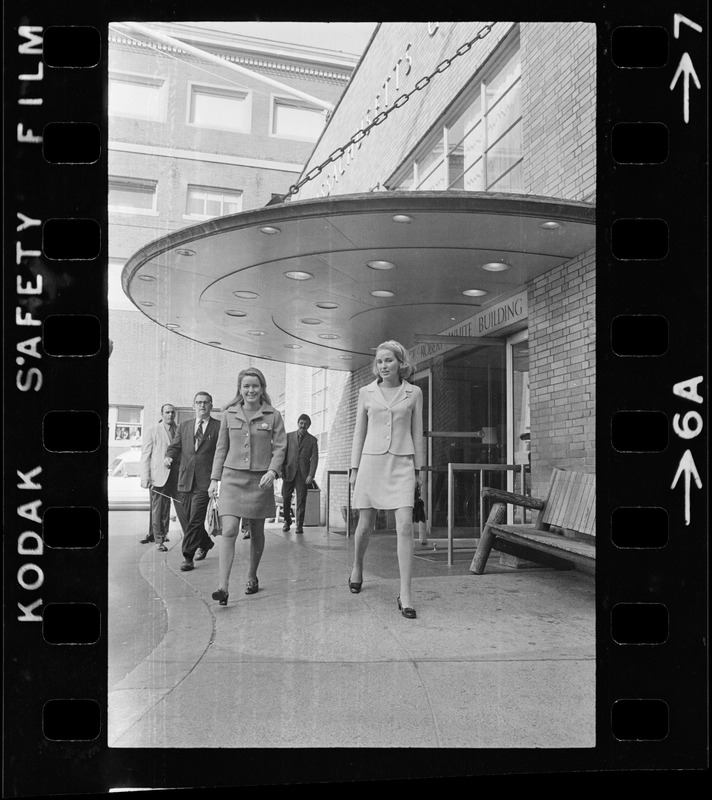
(251, 446)
(386, 461)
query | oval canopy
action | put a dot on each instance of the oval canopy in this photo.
(321, 282)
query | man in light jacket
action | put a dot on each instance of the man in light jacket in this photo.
(162, 481)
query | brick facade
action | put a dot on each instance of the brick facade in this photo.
(559, 161)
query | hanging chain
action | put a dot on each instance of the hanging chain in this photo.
(383, 116)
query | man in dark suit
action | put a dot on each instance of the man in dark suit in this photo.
(194, 444)
(298, 471)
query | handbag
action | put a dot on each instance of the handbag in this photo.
(212, 518)
(418, 506)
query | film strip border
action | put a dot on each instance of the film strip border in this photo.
(652, 404)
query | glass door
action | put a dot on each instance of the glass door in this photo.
(424, 380)
(518, 419)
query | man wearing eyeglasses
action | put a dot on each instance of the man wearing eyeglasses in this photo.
(194, 444)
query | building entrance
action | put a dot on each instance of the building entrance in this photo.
(468, 426)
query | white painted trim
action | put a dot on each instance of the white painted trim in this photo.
(215, 158)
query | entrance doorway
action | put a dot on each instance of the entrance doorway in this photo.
(518, 419)
(467, 426)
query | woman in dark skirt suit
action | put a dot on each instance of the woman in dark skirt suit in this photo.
(386, 458)
(251, 446)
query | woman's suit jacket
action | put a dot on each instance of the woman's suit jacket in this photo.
(382, 428)
(258, 444)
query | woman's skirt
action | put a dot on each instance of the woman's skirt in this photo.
(241, 496)
(384, 481)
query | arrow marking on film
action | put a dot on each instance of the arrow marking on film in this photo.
(678, 18)
(685, 66)
(687, 466)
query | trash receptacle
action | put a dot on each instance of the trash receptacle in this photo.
(312, 512)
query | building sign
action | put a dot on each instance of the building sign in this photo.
(493, 318)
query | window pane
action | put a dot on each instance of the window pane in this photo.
(505, 113)
(132, 196)
(504, 154)
(219, 110)
(128, 415)
(213, 207)
(300, 122)
(511, 182)
(499, 83)
(212, 203)
(135, 99)
(474, 178)
(195, 204)
(431, 170)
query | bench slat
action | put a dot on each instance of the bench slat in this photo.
(570, 504)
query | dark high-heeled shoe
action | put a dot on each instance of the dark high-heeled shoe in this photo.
(355, 586)
(252, 586)
(221, 596)
(406, 612)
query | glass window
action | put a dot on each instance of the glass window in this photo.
(204, 202)
(219, 108)
(294, 120)
(131, 195)
(127, 429)
(137, 96)
(478, 146)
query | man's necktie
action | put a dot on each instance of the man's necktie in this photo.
(172, 431)
(199, 435)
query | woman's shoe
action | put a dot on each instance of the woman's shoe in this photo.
(252, 586)
(355, 586)
(406, 612)
(221, 596)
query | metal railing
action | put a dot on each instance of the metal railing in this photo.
(329, 473)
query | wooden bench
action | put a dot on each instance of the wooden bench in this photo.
(570, 508)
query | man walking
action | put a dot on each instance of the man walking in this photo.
(299, 470)
(159, 479)
(194, 447)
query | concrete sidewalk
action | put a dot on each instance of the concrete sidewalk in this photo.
(504, 659)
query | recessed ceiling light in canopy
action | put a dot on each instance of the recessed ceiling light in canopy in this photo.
(380, 264)
(475, 292)
(496, 266)
(146, 278)
(298, 275)
(147, 303)
(382, 293)
(293, 346)
(246, 295)
(550, 225)
(402, 218)
(311, 321)
(327, 305)
(172, 325)
(235, 312)
(270, 230)
(183, 251)
(329, 336)
(257, 333)
(346, 358)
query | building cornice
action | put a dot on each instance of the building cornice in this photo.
(250, 61)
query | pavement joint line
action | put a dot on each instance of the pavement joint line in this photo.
(147, 568)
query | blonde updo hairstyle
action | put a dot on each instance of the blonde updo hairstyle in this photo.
(405, 366)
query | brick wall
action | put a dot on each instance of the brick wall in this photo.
(562, 369)
(559, 109)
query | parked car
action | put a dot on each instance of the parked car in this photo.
(126, 464)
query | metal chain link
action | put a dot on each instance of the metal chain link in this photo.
(383, 115)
